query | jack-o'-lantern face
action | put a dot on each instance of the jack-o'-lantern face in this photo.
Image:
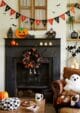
(21, 32)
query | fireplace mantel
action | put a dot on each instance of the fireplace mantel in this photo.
(33, 42)
(49, 48)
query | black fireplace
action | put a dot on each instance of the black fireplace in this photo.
(18, 79)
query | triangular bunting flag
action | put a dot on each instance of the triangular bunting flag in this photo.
(12, 11)
(32, 21)
(72, 9)
(17, 15)
(50, 21)
(2, 4)
(68, 13)
(23, 18)
(7, 8)
(57, 19)
(44, 22)
(38, 22)
(77, 5)
(62, 16)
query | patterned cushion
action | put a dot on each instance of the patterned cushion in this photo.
(10, 103)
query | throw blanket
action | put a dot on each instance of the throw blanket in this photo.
(68, 98)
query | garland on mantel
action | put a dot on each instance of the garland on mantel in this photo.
(25, 19)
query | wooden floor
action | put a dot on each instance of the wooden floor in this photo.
(50, 108)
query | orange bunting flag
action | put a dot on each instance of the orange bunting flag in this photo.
(2, 4)
(62, 16)
(72, 9)
(51, 21)
(38, 22)
(12, 11)
(23, 18)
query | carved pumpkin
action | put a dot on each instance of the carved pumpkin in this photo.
(21, 32)
(3, 95)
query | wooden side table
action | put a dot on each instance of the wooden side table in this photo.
(41, 105)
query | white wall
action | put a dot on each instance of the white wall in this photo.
(59, 28)
(2, 61)
(6, 22)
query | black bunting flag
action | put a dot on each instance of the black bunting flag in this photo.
(77, 5)
(17, 15)
(32, 21)
(57, 19)
(37, 21)
(44, 22)
(7, 8)
(68, 13)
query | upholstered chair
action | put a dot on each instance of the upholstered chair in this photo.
(57, 87)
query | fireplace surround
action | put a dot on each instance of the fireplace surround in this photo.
(18, 80)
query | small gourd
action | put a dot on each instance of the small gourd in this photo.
(3, 95)
(74, 35)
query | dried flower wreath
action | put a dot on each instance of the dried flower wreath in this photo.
(31, 59)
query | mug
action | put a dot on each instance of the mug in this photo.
(38, 97)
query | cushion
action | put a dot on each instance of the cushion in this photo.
(10, 103)
(69, 71)
(73, 83)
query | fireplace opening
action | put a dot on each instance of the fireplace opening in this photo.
(29, 82)
(27, 78)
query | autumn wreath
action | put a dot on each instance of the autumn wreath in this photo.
(31, 59)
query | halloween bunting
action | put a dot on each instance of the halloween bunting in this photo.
(38, 21)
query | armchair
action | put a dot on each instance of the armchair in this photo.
(57, 87)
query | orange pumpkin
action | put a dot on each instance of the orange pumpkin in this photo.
(3, 95)
(21, 32)
(13, 42)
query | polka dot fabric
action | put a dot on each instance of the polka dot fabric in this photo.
(10, 103)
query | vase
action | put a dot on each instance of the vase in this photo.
(10, 33)
(74, 35)
(73, 62)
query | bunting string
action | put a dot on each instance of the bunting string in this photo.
(24, 18)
